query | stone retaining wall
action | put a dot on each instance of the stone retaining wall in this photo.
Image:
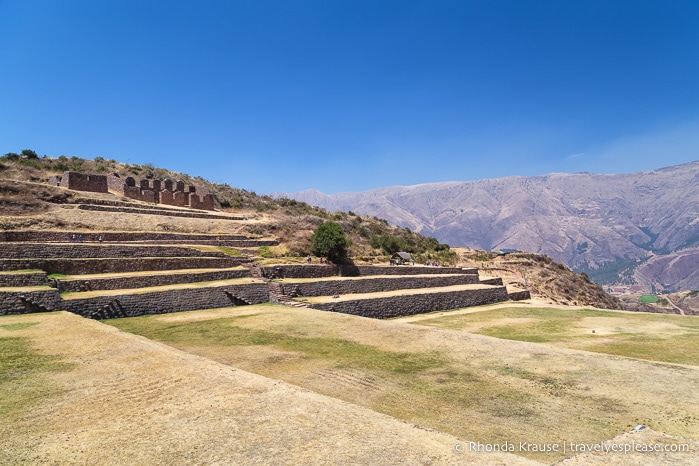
(82, 250)
(365, 270)
(113, 265)
(519, 295)
(142, 281)
(20, 302)
(331, 270)
(299, 271)
(169, 213)
(37, 236)
(23, 279)
(179, 300)
(497, 281)
(404, 305)
(373, 285)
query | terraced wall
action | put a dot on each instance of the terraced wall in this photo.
(170, 213)
(113, 265)
(366, 270)
(179, 300)
(374, 285)
(394, 306)
(520, 295)
(497, 281)
(299, 271)
(108, 236)
(82, 251)
(149, 280)
(23, 279)
(11, 302)
(329, 270)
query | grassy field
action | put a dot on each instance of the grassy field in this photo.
(23, 371)
(470, 386)
(648, 299)
(656, 337)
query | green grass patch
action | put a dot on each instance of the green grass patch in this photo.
(20, 272)
(656, 337)
(229, 251)
(23, 380)
(649, 299)
(18, 326)
(56, 275)
(425, 378)
(265, 252)
(224, 332)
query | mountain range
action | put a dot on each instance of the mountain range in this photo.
(638, 228)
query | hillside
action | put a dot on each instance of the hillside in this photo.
(23, 191)
(604, 225)
(29, 203)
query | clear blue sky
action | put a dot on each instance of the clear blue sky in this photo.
(352, 95)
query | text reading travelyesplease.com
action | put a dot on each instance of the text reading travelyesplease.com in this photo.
(570, 447)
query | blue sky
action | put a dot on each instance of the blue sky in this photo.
(353, 95)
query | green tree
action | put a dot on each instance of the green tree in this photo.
(30, 154)
(329, 241)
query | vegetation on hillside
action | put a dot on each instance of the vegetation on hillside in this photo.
(329, 241)
(545, 278)
(370, 239)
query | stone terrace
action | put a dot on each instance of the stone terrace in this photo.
(136, 273)
(116, 280)
(382, 291)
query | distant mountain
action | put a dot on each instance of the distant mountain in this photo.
(605, 225)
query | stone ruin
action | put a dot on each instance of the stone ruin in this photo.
(81, 182)
(167, 192)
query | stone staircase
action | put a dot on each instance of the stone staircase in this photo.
(276, 291)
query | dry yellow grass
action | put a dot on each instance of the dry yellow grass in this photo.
(471, 386)
(123, 399)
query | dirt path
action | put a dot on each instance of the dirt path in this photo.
(129, 400)
(681, 311)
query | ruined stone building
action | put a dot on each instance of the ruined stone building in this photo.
(167, 192)
(81, 182)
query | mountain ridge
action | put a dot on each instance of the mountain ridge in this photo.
(591, 222)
